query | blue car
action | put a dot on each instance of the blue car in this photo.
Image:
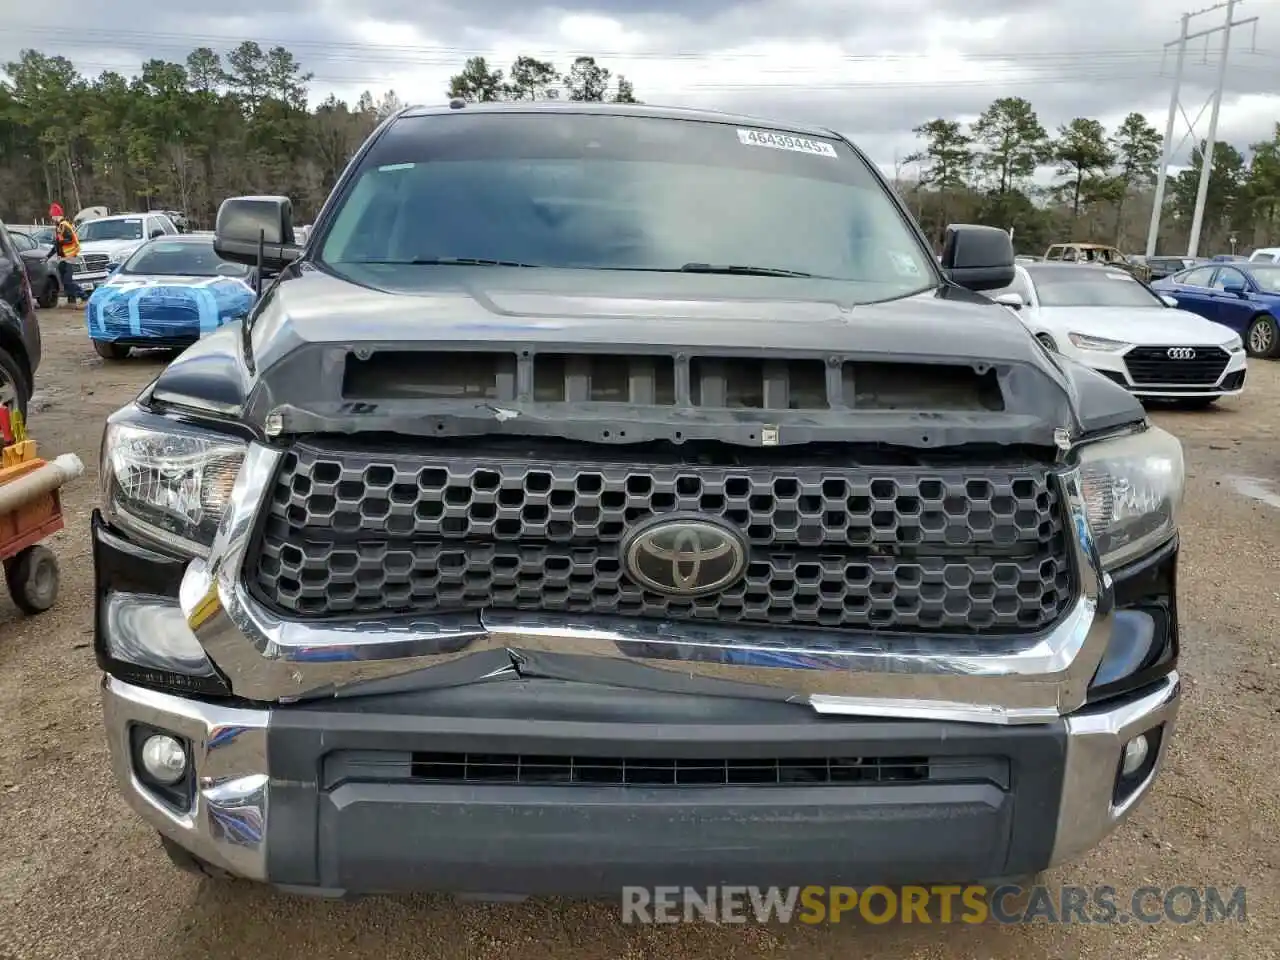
(1243, 296)
(169, 293)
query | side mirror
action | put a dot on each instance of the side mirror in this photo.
(157, 232)
(244, 222)
(1011, 300)
(1168, 300)
(1235, 288)
(978, 258)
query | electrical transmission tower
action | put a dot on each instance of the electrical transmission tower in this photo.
(1175, 107)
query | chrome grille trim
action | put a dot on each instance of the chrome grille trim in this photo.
(1029, 678)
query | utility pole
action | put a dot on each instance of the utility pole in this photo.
(1206, 159)
(1175, 105)
(1167, 154)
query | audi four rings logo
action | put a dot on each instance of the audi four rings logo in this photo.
(1180, 353)
(685, 557)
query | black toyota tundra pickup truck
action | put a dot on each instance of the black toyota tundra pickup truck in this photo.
(610, 495)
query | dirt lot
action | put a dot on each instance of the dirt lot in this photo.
(81, 877)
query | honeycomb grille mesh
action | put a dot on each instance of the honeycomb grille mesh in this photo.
(909, 549)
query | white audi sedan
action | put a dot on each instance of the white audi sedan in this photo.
(1105, 319)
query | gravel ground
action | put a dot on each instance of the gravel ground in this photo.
(81, 877)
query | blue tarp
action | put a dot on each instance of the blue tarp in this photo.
(133, 307)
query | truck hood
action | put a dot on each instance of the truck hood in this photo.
(1155, 326)
(110, 247)
(291, 371)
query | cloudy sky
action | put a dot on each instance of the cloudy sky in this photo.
(872, 70)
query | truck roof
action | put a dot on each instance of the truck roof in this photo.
(619, 109)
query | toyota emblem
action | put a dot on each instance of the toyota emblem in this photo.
(684, 557)
(1180, 353)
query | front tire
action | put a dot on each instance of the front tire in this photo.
(15, 392)
(33, 579)
(110, 351)
(48, 298)
(1262, 339)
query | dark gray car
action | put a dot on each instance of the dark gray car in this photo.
(41, 271)
(20, 345)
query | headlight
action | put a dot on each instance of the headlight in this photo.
(169, 483)
(1132, 489)
(1085, 342)
(1234, 345)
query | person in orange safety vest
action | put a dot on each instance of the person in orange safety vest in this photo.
(66, 246)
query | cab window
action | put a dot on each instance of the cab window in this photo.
(1226, 276)
(1197, 278)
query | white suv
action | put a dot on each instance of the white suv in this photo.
(108, 241)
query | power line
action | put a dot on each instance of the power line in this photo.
(1026, 71)
(449, 55)
(197, 40)
(1009, 81)
(1175, 105)
(1001, 72)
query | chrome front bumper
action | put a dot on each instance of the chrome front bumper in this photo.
(996, 680)
(229, 822)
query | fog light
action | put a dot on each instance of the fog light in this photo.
(1135, 755)
(165, 760)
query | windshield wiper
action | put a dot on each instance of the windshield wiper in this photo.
(741, 270)
(451, 262)
(724, 268)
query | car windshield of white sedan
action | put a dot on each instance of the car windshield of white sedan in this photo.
(1267, 278)
(650, 194)
(1091, 287)
(130, 229)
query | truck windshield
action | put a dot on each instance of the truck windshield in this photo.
(1090, 287)
(130, 229)
(599, 192)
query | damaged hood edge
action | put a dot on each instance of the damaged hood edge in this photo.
(286, 371)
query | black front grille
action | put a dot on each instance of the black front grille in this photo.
(165, 314)
(1152, 366)
(631, 771)
(655, 771)
(940, 549)
(94, 262)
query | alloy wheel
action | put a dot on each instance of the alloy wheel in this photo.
(1261, 337)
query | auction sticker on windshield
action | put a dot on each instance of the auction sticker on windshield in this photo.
(785, 141)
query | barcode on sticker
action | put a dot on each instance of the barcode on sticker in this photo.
(786, 141)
